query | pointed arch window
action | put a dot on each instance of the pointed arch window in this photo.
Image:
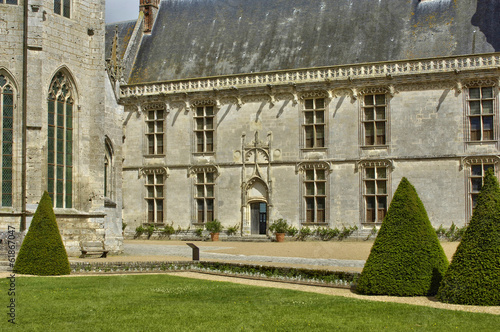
(7, 137)
(60, 142)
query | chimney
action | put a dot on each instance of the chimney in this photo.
(150, 9)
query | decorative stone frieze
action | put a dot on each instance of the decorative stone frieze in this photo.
(330, 75)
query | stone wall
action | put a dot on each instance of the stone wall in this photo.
(74, 46)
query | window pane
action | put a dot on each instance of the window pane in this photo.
(320, 136)
(309, 117)
(487, 106)
(67, 8)
(320, 187)
(381, 187)
(380, 113)
(380, 99)
(310, 188)
(310, 175)
(151, 192)
(370, 187)
(369, 100)
(487, 167)
(309, 104)
(476, 183)
(209, 123)
(381, 173)
(210, 191)
(370, 173)
(487, 128)
(369, 114)
(57, 7)
(475, 107)
(210, 177)
(320, 117)
(475, 128)
(209, 111)
(159, 191)
(200, 191)
(369, 134)
(380, 133)
(487, 92)
(159, 126)
(476, 170)
(199, 111)
(309, 136)
(474, 93)
(320, 103)
(320, 175)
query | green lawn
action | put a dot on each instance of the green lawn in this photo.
(167, 303)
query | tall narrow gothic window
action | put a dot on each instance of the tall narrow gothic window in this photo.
(481, 113)
(7, 138)
(155, 198)
(155, 131)
(476, 177)
(60, 142)
(108, 170)
(375, 193)
(314, 123)
(205, 196)
(62, 7)
(204, 128)
(374, 119)
(315, 195)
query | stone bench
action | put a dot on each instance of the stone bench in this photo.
(93, 248)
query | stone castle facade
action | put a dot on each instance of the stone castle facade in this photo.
(250, 111)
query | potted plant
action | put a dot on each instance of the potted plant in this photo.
(214, 227)
(279, 227)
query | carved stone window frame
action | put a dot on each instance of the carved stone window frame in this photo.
(361, 166)
(193, 173)
(389, 92)
(146, 173)
(314, 95)
(302, 168)
(481, 83)
(155, 135)
(468, 164)
(194, 107)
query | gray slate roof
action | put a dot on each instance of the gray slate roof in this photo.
(198, 38)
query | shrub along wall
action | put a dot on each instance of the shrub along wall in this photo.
(474, 273)
(406, 258)
(42, 251)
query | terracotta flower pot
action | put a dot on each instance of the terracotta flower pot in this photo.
(280, 237)
(214, 236)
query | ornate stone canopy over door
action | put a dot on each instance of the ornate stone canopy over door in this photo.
(256, 185)
(257, 197)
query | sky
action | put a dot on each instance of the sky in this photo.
(121, 10)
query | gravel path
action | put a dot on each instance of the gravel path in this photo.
(206, 253)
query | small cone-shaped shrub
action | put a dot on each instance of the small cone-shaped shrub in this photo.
(474, 273)
(406, 258)
(42, 251)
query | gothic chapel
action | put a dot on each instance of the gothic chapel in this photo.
(245, 111)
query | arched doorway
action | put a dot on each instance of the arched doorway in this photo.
(258, 218)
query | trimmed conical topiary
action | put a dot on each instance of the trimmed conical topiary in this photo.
(406, 258)
(474, 273)
(42, 251)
